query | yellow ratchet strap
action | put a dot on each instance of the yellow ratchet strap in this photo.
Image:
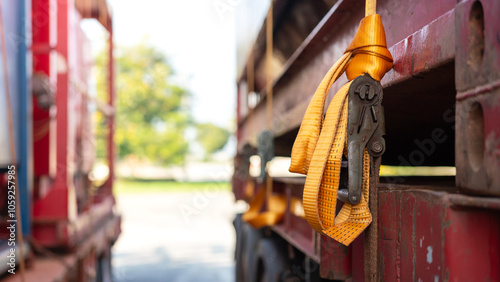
(277, 207)
(276, 212)
(319, 145)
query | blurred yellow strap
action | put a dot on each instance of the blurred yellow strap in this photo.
(319, 145)
(276, 204)
(275, 213)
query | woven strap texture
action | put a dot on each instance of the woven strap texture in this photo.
(320, 143)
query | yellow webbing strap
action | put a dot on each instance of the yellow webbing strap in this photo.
(274, 214)
(319, 145)
(276, 211)
(276, 204)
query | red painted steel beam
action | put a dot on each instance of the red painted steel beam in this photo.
(422, 43)
(43, 21)
(424, 236)
(426, 49)
(56, 222)
(59, 203)
(56, 233)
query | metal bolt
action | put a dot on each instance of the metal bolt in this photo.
(377, 147)
(354, 198)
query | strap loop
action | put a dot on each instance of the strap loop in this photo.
(320, 144)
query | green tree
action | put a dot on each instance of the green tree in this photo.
(151, 110)
(211, 137)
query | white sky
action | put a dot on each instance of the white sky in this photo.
(199, 42)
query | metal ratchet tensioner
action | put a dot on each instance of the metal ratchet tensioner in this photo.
(365, 129)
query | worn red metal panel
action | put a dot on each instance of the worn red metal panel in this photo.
(424, 235)
(478, 57)
(478, 143)
(358, 258)
(335, 259)
(427, 48)
(472, 244)
(389, 238)
(427, 237)
(431, 239)
(407, 224)
(478, 96)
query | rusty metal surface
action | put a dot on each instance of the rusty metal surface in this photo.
(478, 97)
(478, 43)
(422, 234)
(471, 245)
(478, 143)
(462, 201)
(424, 238)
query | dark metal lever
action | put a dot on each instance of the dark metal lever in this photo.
(366, 127)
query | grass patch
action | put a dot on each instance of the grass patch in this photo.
(123, 186)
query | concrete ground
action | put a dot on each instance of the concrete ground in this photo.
(175, 236)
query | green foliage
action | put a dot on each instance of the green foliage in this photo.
(211, 137)
(151, 110)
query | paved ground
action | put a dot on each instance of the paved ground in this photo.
(175, 236)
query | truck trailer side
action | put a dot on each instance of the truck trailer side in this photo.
(69, 220)
(436, 205)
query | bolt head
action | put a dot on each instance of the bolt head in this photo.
(377, 147)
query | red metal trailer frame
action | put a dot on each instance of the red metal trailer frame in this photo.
(57, 223)
(74, 224)
(446, 67)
